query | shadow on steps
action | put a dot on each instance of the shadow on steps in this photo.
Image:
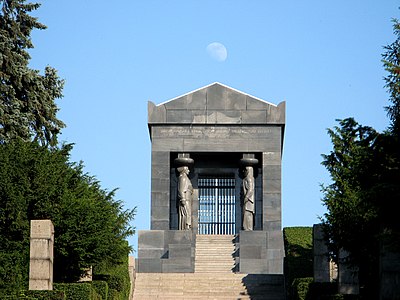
(262, 286)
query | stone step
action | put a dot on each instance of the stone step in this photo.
(208, 286)
(214, 254)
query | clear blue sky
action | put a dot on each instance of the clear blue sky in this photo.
(322, 57)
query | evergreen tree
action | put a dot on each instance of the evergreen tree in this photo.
(391, 62)
(27, 98)
(91, 227)
(365, 170)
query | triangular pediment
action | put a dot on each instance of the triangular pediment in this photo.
(216, 104)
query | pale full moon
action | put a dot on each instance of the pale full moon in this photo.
(217, 51)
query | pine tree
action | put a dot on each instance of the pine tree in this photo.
(391, 63)
(27, 98)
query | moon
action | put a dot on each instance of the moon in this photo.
(217, 51)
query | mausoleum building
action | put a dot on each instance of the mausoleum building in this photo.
(215, 173)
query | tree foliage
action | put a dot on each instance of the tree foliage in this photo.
(365, 170)
(91, 227)
(27, 98)
(391, 63)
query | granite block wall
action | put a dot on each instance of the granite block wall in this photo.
(166, 251)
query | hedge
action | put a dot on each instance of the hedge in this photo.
(78, 291)
(36, 295)
(101, 287)
(298, 255)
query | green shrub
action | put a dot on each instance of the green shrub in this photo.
(117, 278)
(301, 287)
(35, 295)
(298, 255)
(101, 287)
(114, 295)
(47, 295)
(76, 291)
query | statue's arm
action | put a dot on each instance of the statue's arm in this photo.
(250, 190)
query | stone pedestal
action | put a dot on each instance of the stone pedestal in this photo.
(321, 260)
(347, 276)
(41, 255)
(260, 252)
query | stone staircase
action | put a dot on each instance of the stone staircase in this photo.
(213, 277)
(208, 286)
(214, 254)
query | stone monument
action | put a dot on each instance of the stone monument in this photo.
(201, 144)
(41, 255)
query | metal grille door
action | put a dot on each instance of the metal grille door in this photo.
(216, 205)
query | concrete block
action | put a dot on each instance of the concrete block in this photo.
(168, 144)
(254, 117)
(272, 158)
(151, 239)
(160, 158)
(275, 266)
(272, 185)
(41, 249)
(216, 97)
(149, 265)
(160, 198)
(256, 104)
(159, 224)
(40, 269)
(275, 239)
(235, 101)
(41, 255)
(228, 117)
(272, 201)
(258, 238)
(40, 285)
(272, 172)
(156, 114)
(275, 254)
(160, 212)
(179, 237)
(42, 229)
(170, 268)
(253, 266)
(177, 103)
(250, 252)
(151, 252)
(180, 251)
(347, 275)
(272, 225)
(271, 214)
(199, 117)
(160, 184)
(179, 116)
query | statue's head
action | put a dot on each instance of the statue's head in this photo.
(248, 171)
(183, 170)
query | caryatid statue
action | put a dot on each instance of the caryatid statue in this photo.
(248, 199)
(185, 193)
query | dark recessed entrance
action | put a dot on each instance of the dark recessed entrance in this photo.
(217, 201)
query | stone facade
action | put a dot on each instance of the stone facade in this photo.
(215, 126)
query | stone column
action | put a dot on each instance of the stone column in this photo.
(132, 275)
(321, 260)
(347, 275)
(41, 255)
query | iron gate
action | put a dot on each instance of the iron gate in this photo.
(216, 205)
